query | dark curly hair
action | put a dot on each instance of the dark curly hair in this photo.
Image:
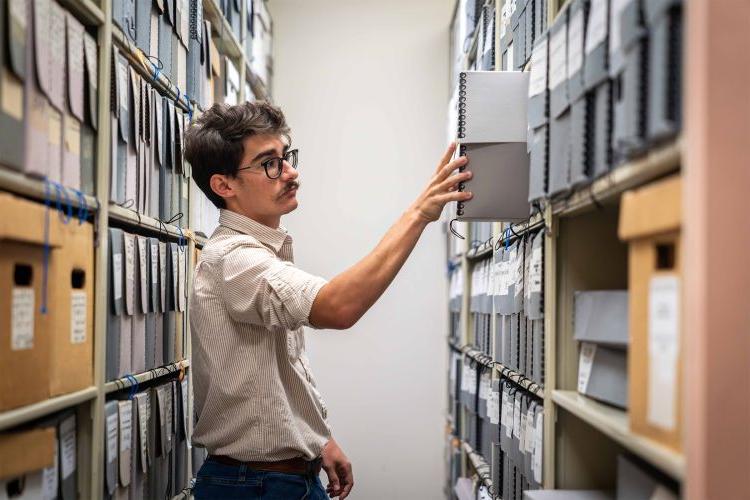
(214, 142)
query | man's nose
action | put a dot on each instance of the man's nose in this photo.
(289, 173)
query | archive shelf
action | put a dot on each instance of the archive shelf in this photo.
(656, 163)
(147, 376)
(36, 188)
(479, 465)
(136, 220)
(224, 37)
(18, 416)
(503, 371)
(614, 423)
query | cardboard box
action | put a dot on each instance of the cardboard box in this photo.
(71, 293)
(650, 220)
(26, 451)
(635, 482)
(24, 340)
(603, 374)
(601, 316)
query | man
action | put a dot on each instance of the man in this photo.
(260, 415)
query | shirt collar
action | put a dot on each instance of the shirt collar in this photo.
(274, 238)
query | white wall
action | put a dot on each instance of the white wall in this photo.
(364, 85)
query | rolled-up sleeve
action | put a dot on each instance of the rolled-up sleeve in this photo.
(259, 288)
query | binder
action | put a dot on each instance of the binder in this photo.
(580, 153)
(91, 110)
(155, 159)
(595, 68)
(115, 302)
(165, 36)
(139, 453)
(37, 84)
(15, 34)
(111, 438)
(131, 168)
(577, 19)
(143, 303)
(518, 24)
(534, 286)
(121, 104)
(56, 90)
(125, 448)
(73, 98)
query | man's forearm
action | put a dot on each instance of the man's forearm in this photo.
(346, 298)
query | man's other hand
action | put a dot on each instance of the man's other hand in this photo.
(443, 187)
(338, 469)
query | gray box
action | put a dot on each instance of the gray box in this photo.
(580, 112)
(635, 483)
(567, 495)
(629, 104)
(599, 132)
(601, 317)
(664, 20)
(559, 153)
(608, 377)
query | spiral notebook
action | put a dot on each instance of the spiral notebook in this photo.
(492, 132)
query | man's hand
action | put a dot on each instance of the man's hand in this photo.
(338, 469)
(442, 187)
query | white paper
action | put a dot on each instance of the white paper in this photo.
(575, 43)
(538, 445)
(535, 271)
(530, 439)
(22, 319)
(143, 268)
(117, 275)
(523, 432)
(517, 418)
(663, 350)
(50, 477)
(125, 409)
(78, 308)
(68, 452)
(129, 272)
(154, 263)
(596, 31)
(111, 437)
(182, 278)
(143, 417)
(484, 386)
(585, 361)
(507, 418)
(472, 381)
(558, 57)
(538, 82)
(504, 278)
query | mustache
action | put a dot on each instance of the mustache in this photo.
(289, 187)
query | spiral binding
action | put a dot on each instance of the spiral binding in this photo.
(462, 105)
(461, 185)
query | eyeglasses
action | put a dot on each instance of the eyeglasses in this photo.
(274, 166)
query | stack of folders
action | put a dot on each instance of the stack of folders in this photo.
(455, 302)
(261, 62)
(480, 306)
(46, 300)
(175, 37)
(517, 457)
(518, 305)
(492, 125)
(614, 86)
(600, 324)
(146, 303)
(39, 460)
(147, 168)
(48, 93)
(147, 442)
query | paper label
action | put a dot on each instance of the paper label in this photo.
(78, 308)
(68, 452)
(516, 418)
(538, 83)
(530, 431)
(117, 275)
(523, 432)
(111, 437)
(22, 319)
(484, 386)
(167, 416)
(538, 448)
(493, 407)
(129, 240)
(464, 378)
(596, 32)
(507, 418)
(535, 271)
(558, 57)
(575, 43)
(504, 278)
(472, 381)
(50, 477)
(586, 360)
(663, 350)
(154, 263)
(143, 416)
(126, 424)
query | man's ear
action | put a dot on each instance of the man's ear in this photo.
(220, 185)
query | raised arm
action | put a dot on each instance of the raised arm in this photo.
(348, 296)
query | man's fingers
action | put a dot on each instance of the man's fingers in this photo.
(450, 167)
(347, 480)
(455, 196)
(452, 180)
(333, 481)
(446, 156)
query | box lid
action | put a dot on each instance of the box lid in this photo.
(601, 317)
(26, 451)
(652, 210)
(24, 220)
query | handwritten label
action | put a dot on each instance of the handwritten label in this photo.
(78, 310)
(585, 362)
(22, 319)
(68, 452)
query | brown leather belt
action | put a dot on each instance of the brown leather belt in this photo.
(290, 466)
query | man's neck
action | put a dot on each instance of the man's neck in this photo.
(270, 221)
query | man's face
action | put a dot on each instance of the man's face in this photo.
(255, 194)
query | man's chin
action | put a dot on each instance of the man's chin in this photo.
(290, 205)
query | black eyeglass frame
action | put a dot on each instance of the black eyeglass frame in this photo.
(290, 157)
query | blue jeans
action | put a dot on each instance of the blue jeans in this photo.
(216, 481)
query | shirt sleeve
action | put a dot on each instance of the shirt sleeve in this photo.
(259, 288)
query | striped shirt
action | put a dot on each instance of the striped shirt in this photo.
(255, 397)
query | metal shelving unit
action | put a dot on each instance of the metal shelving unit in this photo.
(89, 402)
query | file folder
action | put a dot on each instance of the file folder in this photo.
(115, 302)
(15, 34)
(111, 437)
(125, 448)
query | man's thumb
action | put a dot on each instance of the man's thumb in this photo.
(333, 478)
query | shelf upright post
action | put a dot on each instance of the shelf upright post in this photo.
(93, 488)
(550, 346)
